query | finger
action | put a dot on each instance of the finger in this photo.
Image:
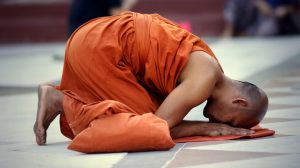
(226, 132)
(214, 133)
(241, 131)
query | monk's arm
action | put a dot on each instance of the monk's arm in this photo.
(197, 82)
(198, 128)
(198, 79)
(181, 100)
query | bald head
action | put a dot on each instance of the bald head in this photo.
(240, 104)
(257, 105)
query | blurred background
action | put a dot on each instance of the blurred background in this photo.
(32, 21)
(23, 21)
(33, 33)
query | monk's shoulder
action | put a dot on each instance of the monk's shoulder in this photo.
(200, 66)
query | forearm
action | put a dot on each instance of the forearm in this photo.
(178, 103)
(188, 128)
(192, 89)
(194, 128)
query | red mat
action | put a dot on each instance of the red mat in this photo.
(259, 132)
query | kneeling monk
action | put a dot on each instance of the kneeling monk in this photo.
(129, 80)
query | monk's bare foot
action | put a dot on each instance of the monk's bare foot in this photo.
(49, 106)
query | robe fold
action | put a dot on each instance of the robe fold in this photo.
(117, 71)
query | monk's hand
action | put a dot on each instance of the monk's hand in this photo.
(218, 129)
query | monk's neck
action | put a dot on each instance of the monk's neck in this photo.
(223, 85)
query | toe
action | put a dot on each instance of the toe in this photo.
(40, 135)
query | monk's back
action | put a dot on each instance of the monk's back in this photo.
(125, 57)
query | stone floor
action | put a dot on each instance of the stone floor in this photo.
(272, 63)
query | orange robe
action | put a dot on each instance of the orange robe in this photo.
(117, 71)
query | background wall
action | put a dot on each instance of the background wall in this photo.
(23, 21)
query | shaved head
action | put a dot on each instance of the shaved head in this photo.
(243, 104)
(257, 107)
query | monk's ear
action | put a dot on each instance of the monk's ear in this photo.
(240, 102)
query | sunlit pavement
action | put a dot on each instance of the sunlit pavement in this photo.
(271, 63)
